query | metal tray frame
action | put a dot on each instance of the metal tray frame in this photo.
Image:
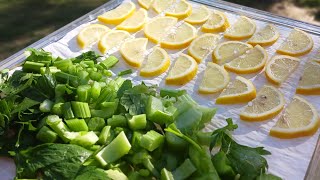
(313, 172)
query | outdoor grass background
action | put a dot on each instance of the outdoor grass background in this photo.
(23, 22)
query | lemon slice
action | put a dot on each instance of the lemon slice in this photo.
(157, 63)
(217, 22)
(268, 103)
(133, 51)
(161, 5)
(202, 46)
(243, 28)
(179, 37)
(180, 10)
(91, 34)
(239, 91)
(297, 43)
(280, 67)
(135, 22)
(265, 37)
(112, 39)
(145, 3)
(310, 82)
(184, 70)
(229, 50)
(250, 62)
(119, 14)
(316, 58)
(299, 119)
(156, 29)
(198, 15)
(215, 79)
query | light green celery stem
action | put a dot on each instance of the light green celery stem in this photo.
(151, 140)
(125, 72)
(175, 142)
(57, 109)
(46, 135)
(63, 65)
(135, 140)
(109, 62)
(46, 106)
(52, 70)
(166, 175)
(96, 124)
(67, 111)
(107, 94)
(65, 77)
(32, 66)
(85, 139)
(95, 90)
(172, 92)
(58, 126)
(77, 125)
(119, 147)
(105, 135)
(88, 63)
(96, 76)
(83, 92)
(148, 164)
(138, 122)
(116, 175)
(81, 109)
(184, 170)
(84, 77)
(60, 90)
(117, 121)
(144, 172)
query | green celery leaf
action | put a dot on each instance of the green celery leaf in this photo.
(90, 55)
(127, 84)
(91, 172)
(39, 55)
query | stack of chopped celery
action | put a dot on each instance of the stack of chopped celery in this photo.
(131, 131)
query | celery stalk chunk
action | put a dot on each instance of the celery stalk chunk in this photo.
(85, 139)
(119, 147)
(81, 109)
(105, 135)
(58, 126)
(157, 113)
(184, 170)
(116, 175)
(46, 135)
(138, 122)
(151, 140)
(166, 175)
(77, 125)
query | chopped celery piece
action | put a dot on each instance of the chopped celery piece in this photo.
(77, 125)
(85, 139)
(46, 106)
(107, 94)
(117, 121)
(95, 90)
(157, 113)
(144, 172)
(166, 175)
(81, 109)
(109, 62)
(135, 140)
(52, 70)
(175, 142)
(83, 92)
(67, 111)
(189, 120)
(57, 109)
(116, 175)
(207, 115)
(63, 65)
(151, 140)
(96, 76)
(138, 122)
(58, 126)
(125, 72)
(96, 124)
(29, 66)
(119, 147)
(105, 135)
(94, 147)
(103, 113)
(83, 77)
(65, 77)
(184, 170)
(46, 135)
(172, 92)
(59, 91)
(88, 63)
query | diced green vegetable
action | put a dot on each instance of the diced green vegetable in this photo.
(166, 175)
(46, 106)
(156, 111)
(63, 65)
(52, 70)
(67, 111)
(85, 139)
(96, 124)
(57, 109)
(105, 136)
(117, 121)
(77, 125)
(138, 122)
(29, 66)
(185, 170)
(175, 142)
(84, 77)
(81, 109)
(95, 90)
(116, 175)
(109, 62)
(151, 140)
(84, 92)
(58, 126)
(125, 72)
(172, 92)
(47, 135)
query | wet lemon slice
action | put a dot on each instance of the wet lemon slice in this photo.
(180, 10)
(157, 63)
(243, 28)
(135, 22)
(156, 29)
(202, 46)
(145, 3)
(310, 82)
(91, 34)
(300, 119)
(297, 43)
(133, 51)
(184, 70)
(198, 16)
(112, 39)
(217, 22)
(161, 5)
(229, 50)
(119, 14)
(215, 79)
(316, 58)
(268, 103)
(179, 37)
(280, 67)
(265, 37)
(250, 62)
(239, 91)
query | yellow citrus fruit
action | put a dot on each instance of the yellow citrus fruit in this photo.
(217, 22)
(156, 29)
(91, 34)
(280, 67)
(265, 37)
(179, 37)
(310, 82)
(135, 22)
(297, 43)
(161, 5)
(268, 103)
(215, 79)
(243, 28)
(145, 3)
(198, 15)
(119, 14)
(158, 62)
(239, 91)
(316, 58)
(300, 119)
(133, 51)
(180, 10)
(202, 46)
(112, 39)
(229, 50)
(250, 62)
(184, 70)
